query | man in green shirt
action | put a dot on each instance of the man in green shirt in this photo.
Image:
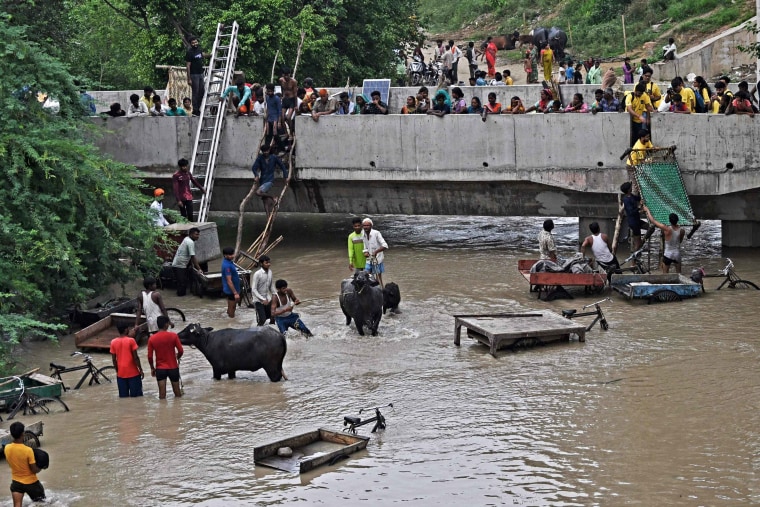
(356, 260)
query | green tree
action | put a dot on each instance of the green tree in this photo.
(71, 222)
(344, 38)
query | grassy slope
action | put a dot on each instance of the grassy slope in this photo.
(595, 25)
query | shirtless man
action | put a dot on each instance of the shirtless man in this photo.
(289, 88)
(150, 303)
(674, 235)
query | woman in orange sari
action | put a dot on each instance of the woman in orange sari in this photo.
(547, 61)
(491, 57)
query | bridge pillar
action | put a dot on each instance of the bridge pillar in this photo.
(740, 233)
(606, 225)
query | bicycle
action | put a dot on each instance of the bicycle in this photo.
(28, 403)
(354, 422)
(571, 314)
(638, 267)
(728, 274)
(97, 375)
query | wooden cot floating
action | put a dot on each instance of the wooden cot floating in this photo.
(498, 331)
(309, 450)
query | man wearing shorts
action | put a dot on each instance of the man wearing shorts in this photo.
(289, 87)
(631, 203)
(24, 468)
(230, 280)
(129, 372)
(674, 235)
(168, 351)
(374, 246)
(263, 174)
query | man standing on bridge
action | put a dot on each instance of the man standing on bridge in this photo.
(195, 76)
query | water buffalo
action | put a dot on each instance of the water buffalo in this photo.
(556, 37)
(230, 350)
(361, 300)
(391, 297)
(504, 41)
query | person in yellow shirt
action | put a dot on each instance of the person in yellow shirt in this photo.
(651, 87)
(639, 107)
(687, 94)
(24, 468)
(639, 151)
(507, 74)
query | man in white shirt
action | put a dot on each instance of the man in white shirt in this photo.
(374, 246)
(263, 289)
(158, 208)
(456, 55)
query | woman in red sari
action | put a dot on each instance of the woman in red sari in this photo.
(491, 57)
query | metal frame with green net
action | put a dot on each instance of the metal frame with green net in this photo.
(662, 187)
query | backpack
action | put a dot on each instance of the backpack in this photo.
(700, 102)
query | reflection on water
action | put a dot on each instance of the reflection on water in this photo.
(659, 410)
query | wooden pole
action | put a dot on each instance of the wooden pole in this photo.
(298, 54)
(570, 33)
(625, 40)
(618, 224)
(274, 63)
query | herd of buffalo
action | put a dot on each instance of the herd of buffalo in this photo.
(231, 350)
(556, 38)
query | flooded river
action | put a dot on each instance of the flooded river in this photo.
(662, 409)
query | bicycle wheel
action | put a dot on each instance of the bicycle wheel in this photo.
(47, 406)
(743, 284)
(104, 375)
(31, 440)
(173, 313)
(664, 296)
(17, 406)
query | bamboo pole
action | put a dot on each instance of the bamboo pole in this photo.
(570, 33)
(298, 54)
(274, 63)
(625, 40)
(618, 224)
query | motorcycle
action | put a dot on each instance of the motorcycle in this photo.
(433, 74)
(416, 71)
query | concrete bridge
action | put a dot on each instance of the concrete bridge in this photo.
(531, 165)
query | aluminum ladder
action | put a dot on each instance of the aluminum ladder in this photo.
(218, 76)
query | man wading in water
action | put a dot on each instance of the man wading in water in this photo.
(674, 235)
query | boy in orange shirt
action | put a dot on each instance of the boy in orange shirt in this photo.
(129, 372)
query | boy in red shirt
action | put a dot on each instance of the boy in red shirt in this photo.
(164, 343)
(129, 372)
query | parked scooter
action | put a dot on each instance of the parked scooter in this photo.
(416, 71)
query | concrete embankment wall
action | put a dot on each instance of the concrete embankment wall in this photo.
(715, 56)
(517, 165)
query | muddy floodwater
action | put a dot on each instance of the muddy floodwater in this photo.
(661, 409)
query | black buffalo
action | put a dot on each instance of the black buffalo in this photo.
(362, 300)
(391, 297)
(231, 350)
(556, 37)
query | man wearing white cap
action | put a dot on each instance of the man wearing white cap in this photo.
(157, 208)
(374, 246)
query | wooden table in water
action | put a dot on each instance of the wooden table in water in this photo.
(507, 329)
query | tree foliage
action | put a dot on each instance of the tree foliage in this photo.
(68, 217)
(344, 39)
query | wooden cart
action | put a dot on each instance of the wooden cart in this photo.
(309, 450)
(98, 336)
(551, 285)
(658, 287)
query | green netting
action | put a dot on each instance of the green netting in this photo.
(662, 189)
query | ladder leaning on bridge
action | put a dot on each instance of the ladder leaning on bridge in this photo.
(218, 76)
